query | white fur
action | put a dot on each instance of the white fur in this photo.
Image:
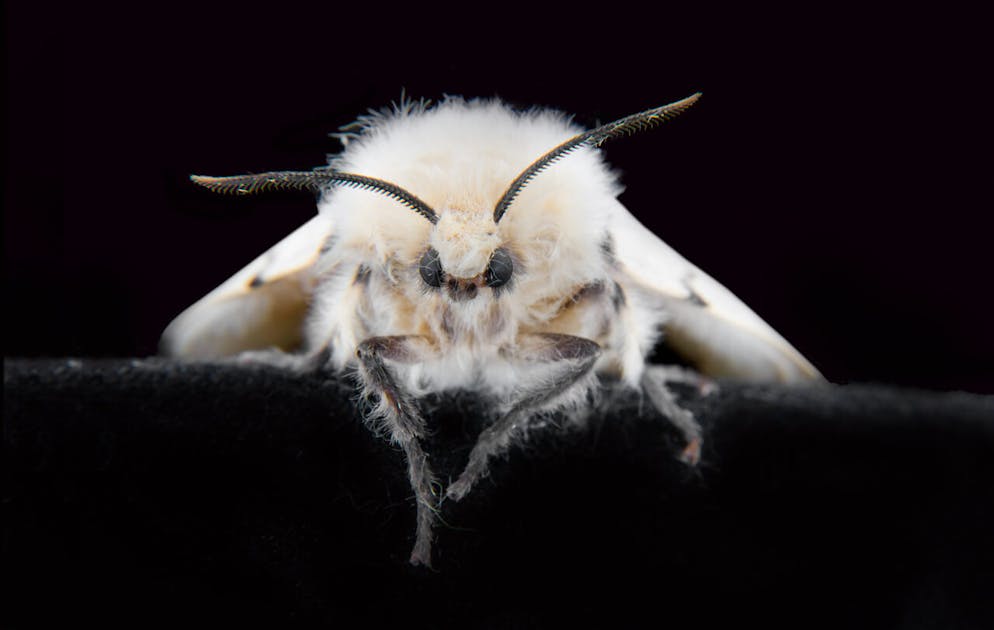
(459, 157)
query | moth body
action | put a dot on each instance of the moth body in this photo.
(517, 275)
(459, 157)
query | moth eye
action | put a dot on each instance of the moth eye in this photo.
(431, 268)
(500, 268)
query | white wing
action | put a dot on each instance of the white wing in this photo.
(706, 323)
(261, 306)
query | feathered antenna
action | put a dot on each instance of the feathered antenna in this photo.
(314, 181)
(595, 137)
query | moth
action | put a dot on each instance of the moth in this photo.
(468, 245)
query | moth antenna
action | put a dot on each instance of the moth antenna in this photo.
(595, 137)
(314, 181)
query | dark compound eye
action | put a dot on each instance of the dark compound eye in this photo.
(500, 268)
(431, 268)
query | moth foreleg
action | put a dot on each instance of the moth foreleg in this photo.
(654, 383)
(568, 358)
(398, 411)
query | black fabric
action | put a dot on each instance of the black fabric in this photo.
(152, 493)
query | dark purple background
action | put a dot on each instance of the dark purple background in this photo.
(835, 174)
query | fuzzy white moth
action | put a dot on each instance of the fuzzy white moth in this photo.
(518, 275)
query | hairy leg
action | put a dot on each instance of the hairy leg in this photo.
(311, 362)
(568, 358)
(654, 384)
(399, 415)
(685, 376)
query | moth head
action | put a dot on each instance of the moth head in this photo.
(465, 252)
(461, 248)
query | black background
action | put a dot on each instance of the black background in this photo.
(835, 175)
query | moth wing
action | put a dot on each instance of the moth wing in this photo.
(261, 306)
(706, 324)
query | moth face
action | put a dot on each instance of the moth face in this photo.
(464, 256)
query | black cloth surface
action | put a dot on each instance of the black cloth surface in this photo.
(153, 493)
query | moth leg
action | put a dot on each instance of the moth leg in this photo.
(654, 381)
(399, 414)
(686, 376)
(568, 358)
(306, 363)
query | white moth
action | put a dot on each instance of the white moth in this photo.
(518, 276)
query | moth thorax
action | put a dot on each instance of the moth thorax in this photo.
(465, 241)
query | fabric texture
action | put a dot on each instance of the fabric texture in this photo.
(154, 493)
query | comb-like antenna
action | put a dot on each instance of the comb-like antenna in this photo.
(595, 137)
(313, 181)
